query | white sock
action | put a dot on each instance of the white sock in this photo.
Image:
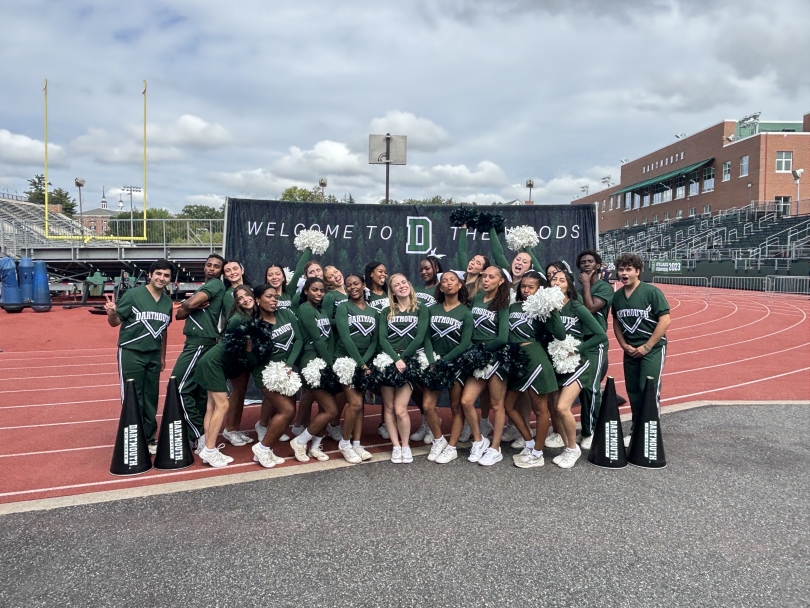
(355, 444)
(303, 437)
(316, 443)
(437, 441)
(537, 454)
(530, 444)
(263, 448)
(344, 443)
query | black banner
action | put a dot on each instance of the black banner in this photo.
(259, 233)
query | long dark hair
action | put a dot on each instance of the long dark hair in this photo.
(361, 279)
(463, 294)
(309, 282)
(529, 274)
(283, 274)
(571, 291)
(245, 279)
(310, 264)
(501, 299)
(435, 264)
(235, 308)
(369, 269)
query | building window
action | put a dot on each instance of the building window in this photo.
(707, 209)
(680, 186)
(644, 220)
(679, 214)
(645, 197)
(611, 203)
(744, 166)
(603, 206)
(726, 170)
(635, 222)
(636, 201)
(784, 162)
(708, 179)
(626, 223)
(655, 219)
(783, 204)
(628, 201)
(644, 169)
(666, 216)
(692, 211)
(694, 183)
(681, 155)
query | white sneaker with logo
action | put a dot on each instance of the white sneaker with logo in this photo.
(263, 456)
(407, 456)
(215, 458)
(362, 452)
(485, 426)
(350, 455)
(449, 453)
(477, 449)
(586, 442)
(396, 455)
(335, 432)
(569, 458)
(420, 433)
(383, 432)
(261, 431)
(529, 460)
(554, 440)
(436, 449)
(490, 457)
(235, 437)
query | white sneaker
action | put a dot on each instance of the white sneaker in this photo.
(490, 457)
(200, 445)
(436, 449)
(261, 431)
(215, 458)
(569, 458)
(350, 455)
(297, 430)
(382, 431)
(284, 437)
(299, 450)
(246, 437)
(466, 431)
(219, 448)
(335, 432)
(263, 456)
(627, 441)
(485, 426)
(477, 449)
(396, 455)
(152, 447)
(586, 442)
(278, 459)
(420, 433)
(510, 432)
(519, 443)
(554, 440)
(558, 458)
(235, 437)
(522, 452)
(407, 456)
(362, 452)
(428, 437)
(449, 453)
(529, 461)
(318, 453)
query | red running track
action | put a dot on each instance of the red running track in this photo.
(59, 395)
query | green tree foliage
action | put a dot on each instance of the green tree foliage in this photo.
(302, 195)
(58, 196)
(433, 200)
(201, 212)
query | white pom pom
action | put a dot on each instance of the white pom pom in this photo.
(512, 296)
(564, 354)
(278, 378)
(521, 236)
(555, 297)
(344, 368)
(312, 372)
(482, 374)
(288, 274)
(423, 361)
(382, 361)
(540, 304)
(316, 241)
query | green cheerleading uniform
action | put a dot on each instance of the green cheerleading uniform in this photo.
(603, 291)
(591, 395)
(531, 334)
(140, 344)
(286, 298)
(449, 333)
(201, 331)
(491, 328)
(499, 256)
(378, 302)
(358, 332)
(319, 340)
(426, 295)
(331, 302)
(287, 343)
(210, 371)
(582, 325)
(403, 335)
(637, 317)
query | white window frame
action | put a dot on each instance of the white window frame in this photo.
(707, 209)
(784, 162)
(692, 211)
(708, 179)
(727, 171)
(666, 216)
(611, 203)
(744, 165)
(679, 214)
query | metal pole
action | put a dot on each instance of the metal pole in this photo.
(387, 164)
(596, 209)
(81, 212)
(131, 220)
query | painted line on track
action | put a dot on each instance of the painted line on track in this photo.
(724, 388)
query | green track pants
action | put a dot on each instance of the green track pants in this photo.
(193, 397)
(143, 368)
(635, 376)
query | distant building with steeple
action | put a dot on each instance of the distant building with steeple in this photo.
(96, 221)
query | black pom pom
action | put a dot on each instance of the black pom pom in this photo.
(391, 376)
(439, 376)
(330, 381)
(475, 357)
(514, 361)
(462, 216)
(413, 369)
(487, 220)
(363, 381)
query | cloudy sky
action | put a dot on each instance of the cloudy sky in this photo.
(247, 98)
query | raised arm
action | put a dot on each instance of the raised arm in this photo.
(497, 250)
(555, 325)
(292, 286)
(536, 266)
(462, 253)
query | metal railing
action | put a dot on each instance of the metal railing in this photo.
(698, 286)
(790, 285)
(738, 283)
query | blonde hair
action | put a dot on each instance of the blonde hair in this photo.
(393, 302)
(329, 286)
(475, 286)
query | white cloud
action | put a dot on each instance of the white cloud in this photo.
(188, 132)
(212, 200)
(423, 134)
(18, 149)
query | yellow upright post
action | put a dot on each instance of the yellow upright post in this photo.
(46, 156)
(144, 159)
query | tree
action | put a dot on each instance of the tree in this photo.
(348, 198)
(433, 200)
(302, 195)
(201, 212)
(58, 196)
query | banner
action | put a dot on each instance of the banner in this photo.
(259, 233)
(664, 266)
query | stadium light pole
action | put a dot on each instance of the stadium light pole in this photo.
(80, 184)
(530, 185)
(322, 184)
(797, 176)
(130, 190)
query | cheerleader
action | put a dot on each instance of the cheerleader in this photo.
(375, 276)
(234, 275)
(275, 276)
(403, 325)
(449, 336)
(538, 381)
(319, 342)
(287, 345)
(335, 296)
(490, 313)
(475, 265)
(523, 262)
(429, 270)
(577, 322)
(357, 326)
(212, 373)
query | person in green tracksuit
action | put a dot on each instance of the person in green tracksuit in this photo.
(597, 296)
(357, 326)
(449, 335)
(539, 380)
(144, 314)
(640, 322)
(402, 335)
(319, 343)
(201, 315)
(580, 324)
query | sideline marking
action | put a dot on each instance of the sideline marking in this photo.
(284, 471)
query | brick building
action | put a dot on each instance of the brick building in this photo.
(730, 164)
(96, 221)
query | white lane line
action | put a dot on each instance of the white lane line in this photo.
(57, 388)
(14, 407)
(110, 352)
(37, 426)
(731, 314)
(724, 388)
(60, 366)
(89, 447)
(59, 376)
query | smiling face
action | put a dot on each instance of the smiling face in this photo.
(333, 276)
(355, 288)
(491, 279)
(400, 286)
(378, 275)
(426, 272)
(269, 300)
(450, 284)
(315, 293)
(233, 272)
(529, 286)
(275, 276)
(521, 264)
(476, 264)
(160, 278)
(245, 299)
(213, 268)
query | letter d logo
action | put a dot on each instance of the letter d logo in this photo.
(420, 235)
